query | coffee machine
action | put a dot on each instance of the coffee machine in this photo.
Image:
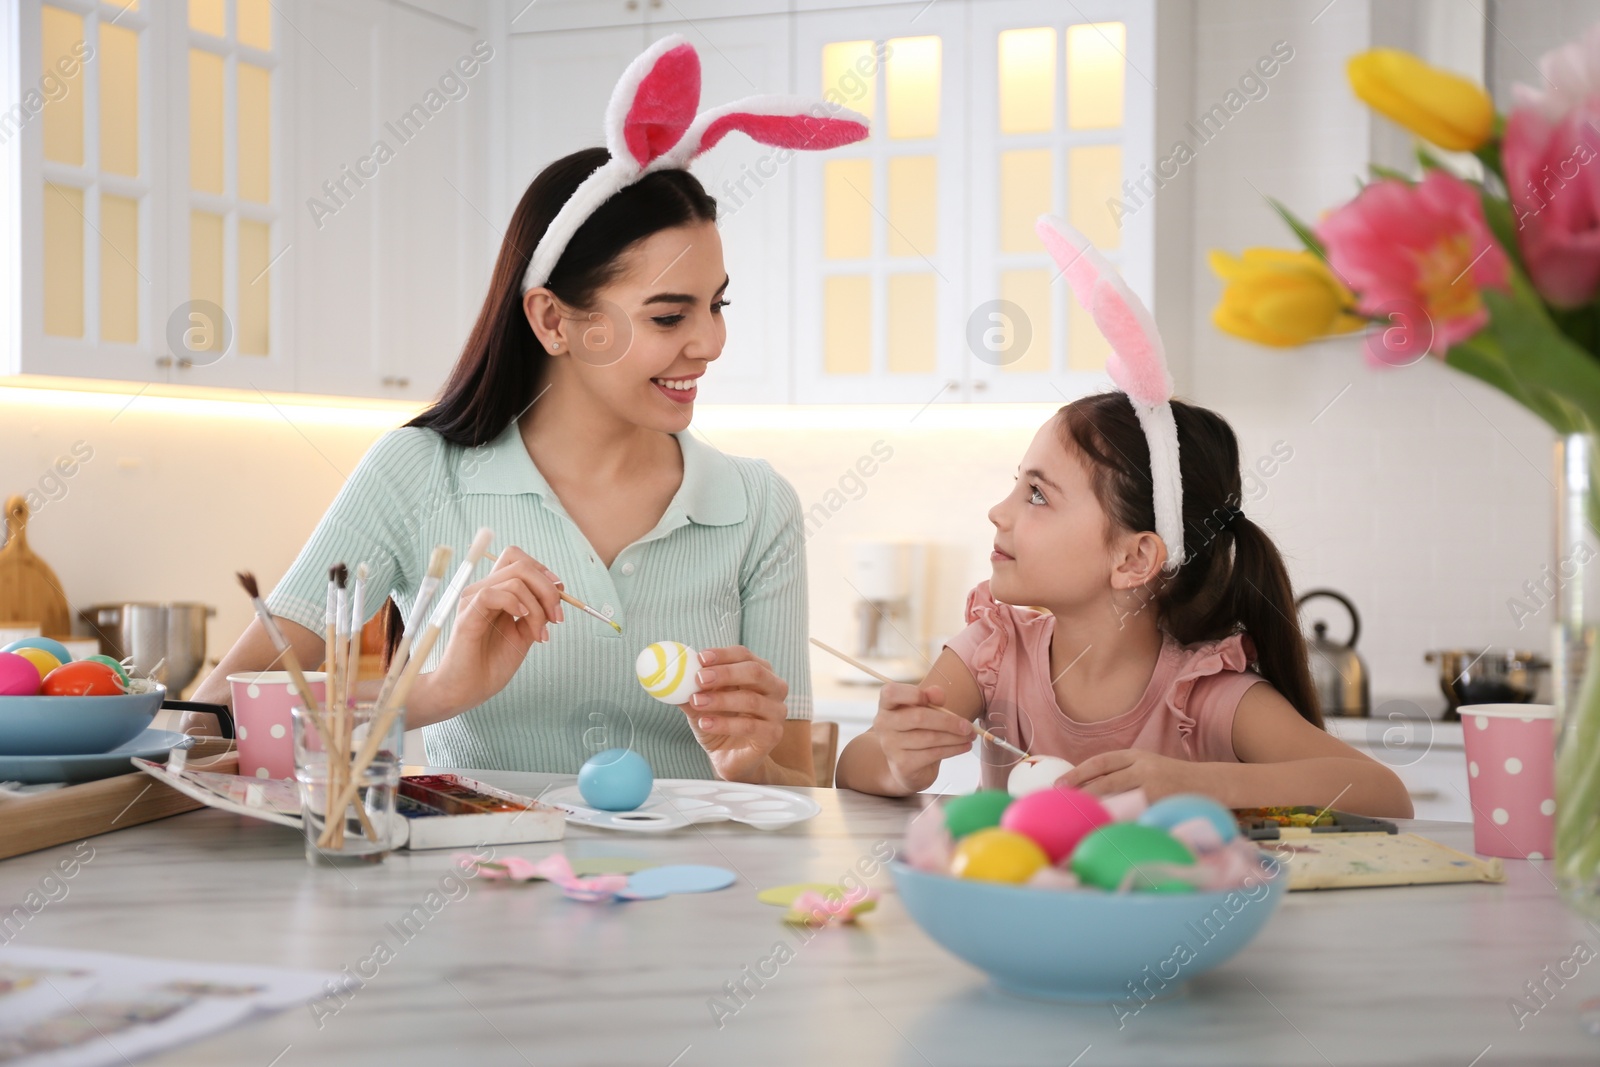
(891, 580)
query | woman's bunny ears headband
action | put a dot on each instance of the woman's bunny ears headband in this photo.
(651, 125)
(1137, 364)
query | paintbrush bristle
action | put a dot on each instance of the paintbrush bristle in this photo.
(439, 561)
(480, 544)
(340, 575)
(248, 580)
(362, 571)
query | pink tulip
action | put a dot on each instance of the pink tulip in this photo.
(1419, 254)
(1554, 183)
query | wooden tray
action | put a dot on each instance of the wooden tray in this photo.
(72, 813)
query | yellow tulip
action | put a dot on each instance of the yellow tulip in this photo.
(1279, 298)
(1434, 104)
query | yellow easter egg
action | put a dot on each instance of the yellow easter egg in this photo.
(666, 669)
(41, 659)
(996, 855)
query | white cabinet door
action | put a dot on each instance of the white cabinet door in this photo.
(880, 288)
(538, 16)
(391, 198)
(753, 185)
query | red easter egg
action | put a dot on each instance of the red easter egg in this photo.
(84, 678)
(1056, 818)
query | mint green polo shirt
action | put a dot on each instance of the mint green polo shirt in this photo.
(724, 566)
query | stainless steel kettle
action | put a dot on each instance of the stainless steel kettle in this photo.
(1338, 672)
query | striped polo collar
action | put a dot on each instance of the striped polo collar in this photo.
(712, 493)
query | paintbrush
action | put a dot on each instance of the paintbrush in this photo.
(291, 662)
(383, 717)
(330, 632)
(341, 638)
(352, 659)
(437, 564)
(568, 598)
(858, 665)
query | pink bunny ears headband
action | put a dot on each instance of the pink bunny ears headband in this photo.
(651, 125)
(1137, 364)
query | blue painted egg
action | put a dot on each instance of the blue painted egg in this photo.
(44, 644)
(617, 779)
(1180, 808)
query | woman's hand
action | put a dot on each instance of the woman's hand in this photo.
(917, 734)
(498, 620)
(1133, 768)
(739, 712)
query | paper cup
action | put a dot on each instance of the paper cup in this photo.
(1511, 752)
(261, 703)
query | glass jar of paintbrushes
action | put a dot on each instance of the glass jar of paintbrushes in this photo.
(347, 762)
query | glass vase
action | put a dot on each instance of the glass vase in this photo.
(1576, 671)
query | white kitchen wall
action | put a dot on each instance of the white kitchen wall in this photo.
(1420, 494)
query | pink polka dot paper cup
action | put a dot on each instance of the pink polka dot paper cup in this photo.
(1511, 778)
(261, 703)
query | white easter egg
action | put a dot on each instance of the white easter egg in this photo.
(1036, 773)
(666, 669)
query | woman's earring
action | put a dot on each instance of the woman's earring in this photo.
(555, 346)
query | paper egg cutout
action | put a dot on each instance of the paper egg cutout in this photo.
(18, 677)
(975, 811)
(1105, 856)
(1036, 773)
(1178, 813)
(666, 669)
(996, 855)
(617, 779)
(1055, 819)
(45, 644)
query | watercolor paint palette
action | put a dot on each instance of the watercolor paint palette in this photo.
(678, 802)
(435, 810)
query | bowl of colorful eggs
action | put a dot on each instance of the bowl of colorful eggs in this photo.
(53, 705)
(1061, 895)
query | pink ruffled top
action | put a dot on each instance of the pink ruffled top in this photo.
(1186, 711)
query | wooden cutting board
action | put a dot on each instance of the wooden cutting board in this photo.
(29, 589)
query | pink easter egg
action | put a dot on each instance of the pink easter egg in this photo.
(1056, 819)
(18, 677)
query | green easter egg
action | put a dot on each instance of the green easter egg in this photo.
(975, 811)
(122, 672)
(1102, 858)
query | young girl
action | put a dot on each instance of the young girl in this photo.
(1173, 679)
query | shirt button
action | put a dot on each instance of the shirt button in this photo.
(627, 568)
(605, 609)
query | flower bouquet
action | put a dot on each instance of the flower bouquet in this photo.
(1493, 268)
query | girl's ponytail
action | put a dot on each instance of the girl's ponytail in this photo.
(1234, 578)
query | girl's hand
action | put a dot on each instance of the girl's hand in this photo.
(739, 713)
(1134, 768)
(916, 734)
(498, 620)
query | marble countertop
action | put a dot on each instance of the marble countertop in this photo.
(518, 975)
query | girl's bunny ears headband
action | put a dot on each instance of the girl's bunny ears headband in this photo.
(1137, 364)
(651, 125)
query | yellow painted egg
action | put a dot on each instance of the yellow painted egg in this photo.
(666, 669)
(42, 660)
(996, 855)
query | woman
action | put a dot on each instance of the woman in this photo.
(564, 428)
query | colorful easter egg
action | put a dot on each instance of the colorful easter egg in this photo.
(18, 677)
(82, 680)
(617, 779)
(42, 661)
(122, 672)
(1057, 819)
(47, 644)
(1198, 821)
(666, 669)
(975, 811)
(1105, 856)
(1035, 773)
(996, 855)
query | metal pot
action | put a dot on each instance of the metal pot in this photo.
(1338, 672)
(1487, 676)
(172, 636)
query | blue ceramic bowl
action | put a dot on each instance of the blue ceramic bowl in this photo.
(1087, 945)
(74, 726)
